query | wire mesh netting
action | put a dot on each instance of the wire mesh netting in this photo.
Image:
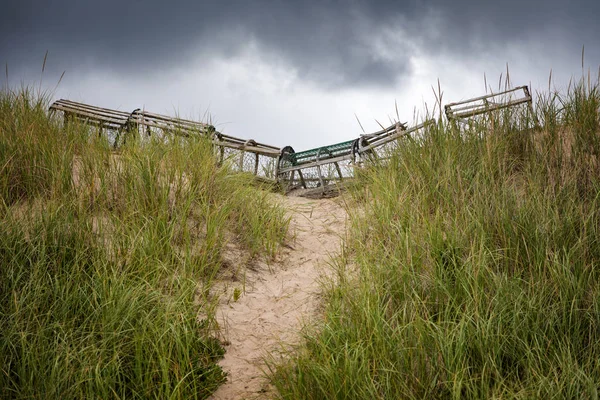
(246, 161)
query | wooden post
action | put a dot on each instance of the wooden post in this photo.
(291, 181)
(339, 171)
(321, 182)
(241, 162)
(302, 179)
(216, 136)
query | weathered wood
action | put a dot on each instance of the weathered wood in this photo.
(397, 126)
(339, 171)
(302, 180)
(322, 182)
(397, 134)
(88, 106)
(487, 96)
(293, 170)
(316, 163)
(143, 122)
(241, 161)
(253, 149)
(100, 116)
(312, 161)
(488, 103)
(96, 118)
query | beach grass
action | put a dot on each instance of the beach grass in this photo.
(107, 258)
(471, 270)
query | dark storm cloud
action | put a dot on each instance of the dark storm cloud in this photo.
(327, 43)
(332, 43)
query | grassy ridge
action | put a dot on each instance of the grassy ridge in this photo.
(474, 267)
(107, 259)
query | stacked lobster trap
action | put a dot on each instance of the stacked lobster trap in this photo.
(317, 171)
(326, 167)
(242, 155)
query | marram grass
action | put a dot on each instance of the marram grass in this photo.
(472, 271)
(106, 259)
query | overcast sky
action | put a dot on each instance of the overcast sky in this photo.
(290, 72)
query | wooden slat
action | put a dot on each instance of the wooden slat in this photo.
(174, 127)
(482, 109)
(257, 144)
(92, 110)
(487, 103)
(395, 136)
(91, 115)
(524, 88)
(395, 126)
(78, 107)
(252, 149)
(75, 104)
(316, 163)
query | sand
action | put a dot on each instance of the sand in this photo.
(279, 298)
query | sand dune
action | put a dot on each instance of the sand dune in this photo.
(278, 297)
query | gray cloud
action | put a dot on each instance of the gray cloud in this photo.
(330, 43)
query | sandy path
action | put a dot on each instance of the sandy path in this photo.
(278, 298)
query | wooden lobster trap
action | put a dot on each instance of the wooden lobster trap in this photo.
(509, 106)
(323, 169)
(243, 155)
